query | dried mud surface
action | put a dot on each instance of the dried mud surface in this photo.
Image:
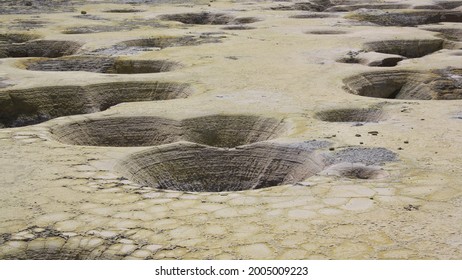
(316, 129)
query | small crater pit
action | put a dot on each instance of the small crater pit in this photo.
(206, 18)
(444, 84)
(36, 48)
(196, 168)
(375, 6)
(238, 27)
(94, 29)
(102, 65)
(351, 115)
(326, 32)
(406, 48)
(355, 171)
(313, 15)
(313, 5)
(15, 38)
(123, 11)
(406, 18)
(451, 34)
(449, 4)
(155, 43)
(21, 107)
(218, 130)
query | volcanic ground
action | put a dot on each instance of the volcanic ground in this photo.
(322, 129)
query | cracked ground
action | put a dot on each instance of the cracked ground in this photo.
(230, 129)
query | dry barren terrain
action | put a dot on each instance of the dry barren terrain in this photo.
(143, 129)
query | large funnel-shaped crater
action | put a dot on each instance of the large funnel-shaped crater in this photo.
(217, 130)
(102, 65)
(30, 106)
(197, 168)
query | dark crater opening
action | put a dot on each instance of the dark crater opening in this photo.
(103, 65)
(195, 168)
(407, 18)
(206, 18)
(351, 115)
(23, 107)
(355, 171)
(217, 130)
(444, 84)
(406, 48)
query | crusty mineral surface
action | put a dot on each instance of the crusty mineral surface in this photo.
(315, 129)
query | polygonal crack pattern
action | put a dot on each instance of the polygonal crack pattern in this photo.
(351, 115)
(196, 168)
(218, 130)
(48, 243)
(445, 84)
(103, 65)
(24, 45)
(30, 106)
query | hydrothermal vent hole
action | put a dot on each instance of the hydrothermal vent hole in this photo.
(196, 168)
(351, 115)
(35, 105)
(444, 84)
(355, 171)
(103, 65)
(218, 130)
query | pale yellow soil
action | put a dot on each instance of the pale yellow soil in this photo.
(275, 70)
